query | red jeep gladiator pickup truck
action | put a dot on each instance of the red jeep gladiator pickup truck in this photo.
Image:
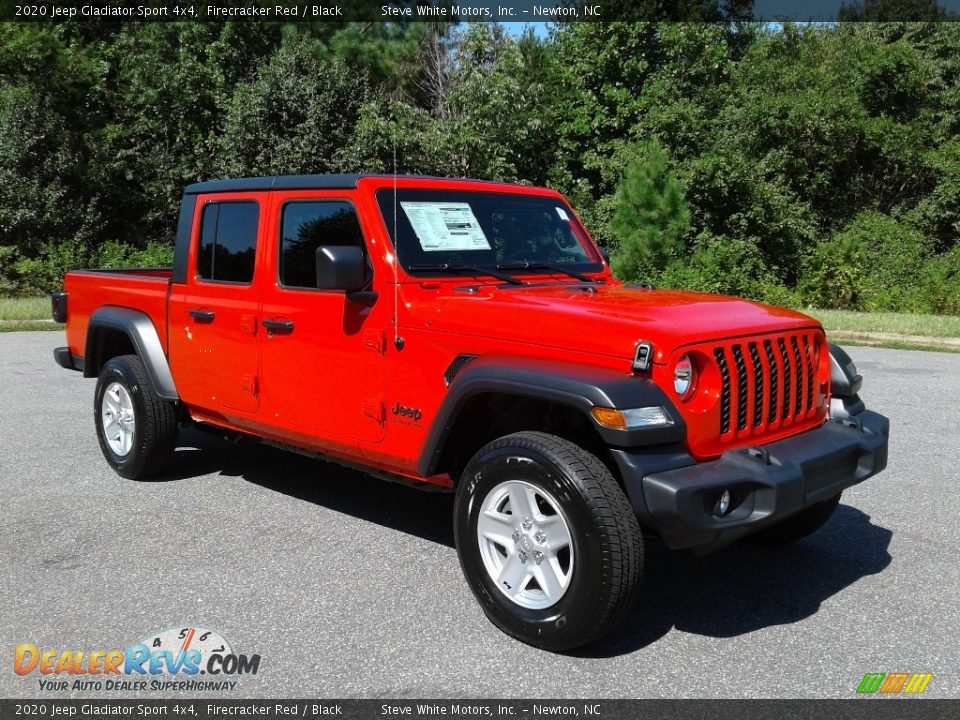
(469, 336)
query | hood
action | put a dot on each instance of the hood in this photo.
(603, 319)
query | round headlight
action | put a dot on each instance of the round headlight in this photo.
(683, 377)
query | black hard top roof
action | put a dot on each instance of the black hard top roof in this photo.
(295, 182)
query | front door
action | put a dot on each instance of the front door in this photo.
(322, 354)
(213, 318)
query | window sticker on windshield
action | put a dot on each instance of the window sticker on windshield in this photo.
(563, 214)
(442, 226)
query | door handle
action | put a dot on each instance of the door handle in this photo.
(278, 327)
(202, 316)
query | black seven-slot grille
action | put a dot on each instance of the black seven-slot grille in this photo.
(765, 383)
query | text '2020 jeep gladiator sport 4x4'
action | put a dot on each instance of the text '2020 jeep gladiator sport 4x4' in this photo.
(469, 335)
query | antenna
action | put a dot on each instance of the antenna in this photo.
(397, 340)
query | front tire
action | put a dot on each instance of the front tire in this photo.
(136, 428)
(547, 540)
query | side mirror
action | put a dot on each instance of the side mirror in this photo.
(340, 267)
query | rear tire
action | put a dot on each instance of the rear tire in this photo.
(567, 567)
(796, 527)
(136, 428)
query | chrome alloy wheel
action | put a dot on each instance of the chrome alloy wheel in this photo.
(116, 418)
(525, 544)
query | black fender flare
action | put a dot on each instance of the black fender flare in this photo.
(844, 380)
(577, 386)
(845, 384)
(145, 339)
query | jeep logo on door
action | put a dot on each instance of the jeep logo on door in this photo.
(407, 412)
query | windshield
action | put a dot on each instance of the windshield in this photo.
(444, 229)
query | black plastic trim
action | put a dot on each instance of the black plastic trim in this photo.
(302, 182)
(58, 306)
(643, 357)
(66, 360)
(676, 495)
(278, 327)
(146, 341)
(845, 407)
(126, 271)
(276, 182)
(576, 386)
(842, 382)
(181, 253)
(201, 316)
(362, 297)
(455, 366)
(634, 466)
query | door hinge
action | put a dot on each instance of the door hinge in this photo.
(373, 408)
(248, 324)
(249, 383)
(375, 340)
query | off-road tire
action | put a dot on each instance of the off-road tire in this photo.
(605, 539)
(154, 420)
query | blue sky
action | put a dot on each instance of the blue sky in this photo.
(516, 28)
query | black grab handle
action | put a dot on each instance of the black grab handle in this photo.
(202, 316)
(279, 327)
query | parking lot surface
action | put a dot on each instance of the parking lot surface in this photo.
(347, 586)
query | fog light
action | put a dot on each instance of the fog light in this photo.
(724, 503)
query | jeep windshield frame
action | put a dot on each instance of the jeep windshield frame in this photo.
(528, 233)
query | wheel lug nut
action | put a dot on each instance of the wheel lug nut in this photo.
(516, 534)
(523, 556)
(537, 557)
(540, 538)
(527, 524)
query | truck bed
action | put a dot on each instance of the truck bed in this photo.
(145, 289)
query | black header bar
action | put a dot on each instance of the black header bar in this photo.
(471, 709)
(521, 11)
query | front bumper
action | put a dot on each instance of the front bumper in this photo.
(678, 496)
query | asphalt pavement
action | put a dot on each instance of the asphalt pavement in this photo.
(347, 586)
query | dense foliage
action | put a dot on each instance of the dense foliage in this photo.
(799, 164)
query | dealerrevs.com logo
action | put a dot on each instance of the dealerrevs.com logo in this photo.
(173, 659)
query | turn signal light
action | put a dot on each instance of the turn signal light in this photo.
(631, 418)
(608, 417)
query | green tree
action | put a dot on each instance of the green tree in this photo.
(615, 84)
(651, 217)
(890, 10)
(796, 144)
(166, 97)
(479, 113)
(294, 117)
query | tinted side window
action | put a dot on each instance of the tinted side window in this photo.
(307, 225)
(228, 241)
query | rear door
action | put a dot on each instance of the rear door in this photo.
(213, 318)
(322, 354)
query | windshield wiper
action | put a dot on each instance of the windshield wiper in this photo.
(458, 267)
(531, 265)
